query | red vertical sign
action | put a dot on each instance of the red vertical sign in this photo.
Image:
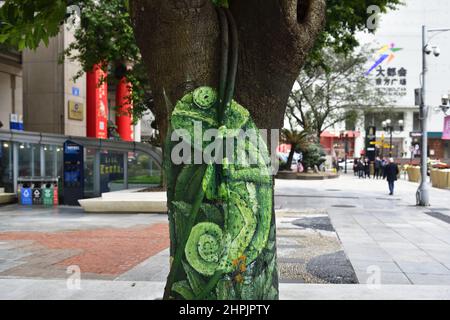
(97, 103)
(124, 120)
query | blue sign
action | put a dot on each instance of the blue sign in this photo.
(75, 91)
(73, 173)
(26, 197)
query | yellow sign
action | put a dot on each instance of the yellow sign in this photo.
(76, 111)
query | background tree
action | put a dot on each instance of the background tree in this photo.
(332, 93)
(171, 30)
(313, 156)
(298, 141)
(104, 34)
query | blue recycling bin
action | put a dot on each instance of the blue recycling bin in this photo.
(26, 196)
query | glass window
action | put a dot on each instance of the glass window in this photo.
(53, 160)
(142, 171)
(89, 162)
(376, 119)
(29, 160)
(111, 171)
(6, 166)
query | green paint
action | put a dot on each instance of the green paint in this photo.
(220, 215)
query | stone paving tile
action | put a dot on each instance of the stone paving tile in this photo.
(6, 265)
(100, 252)
(384, 266)
(13, 254)
(423, 267)
(384, 278)
(429, 279)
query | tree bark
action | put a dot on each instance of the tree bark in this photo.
(180, 44)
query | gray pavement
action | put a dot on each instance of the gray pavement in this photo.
(395, 249)
(30, 289)
(386, 238)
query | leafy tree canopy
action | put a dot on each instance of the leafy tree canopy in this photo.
(105, 33)
(325, 96)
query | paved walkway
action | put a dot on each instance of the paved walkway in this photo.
(387, 239)
(390, 243)
(31, 289)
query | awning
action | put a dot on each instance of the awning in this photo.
(349, 133)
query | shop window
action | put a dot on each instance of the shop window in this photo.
(142, 171)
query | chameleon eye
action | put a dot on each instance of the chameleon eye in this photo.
(205, 97)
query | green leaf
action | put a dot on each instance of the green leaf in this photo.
(221, 3)
(183, 288)
(196, 281)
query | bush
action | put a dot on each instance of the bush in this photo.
(313, 155)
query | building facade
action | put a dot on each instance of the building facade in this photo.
(395, 70)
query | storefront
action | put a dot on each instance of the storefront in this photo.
(108, 165)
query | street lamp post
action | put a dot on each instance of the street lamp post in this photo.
(346, 151)
(423, 194)
(387, 126)
(344, 136)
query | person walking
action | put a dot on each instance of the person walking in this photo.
(391, 172)
(360, 169)
(355, 166)
(366, 168)
(377, 168)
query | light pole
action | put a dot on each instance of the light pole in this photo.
(344, 136)
(423, 193)
(387, 126)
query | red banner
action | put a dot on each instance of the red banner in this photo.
(97, 104)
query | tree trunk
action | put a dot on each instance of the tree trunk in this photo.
(180, 44)
(290, 157)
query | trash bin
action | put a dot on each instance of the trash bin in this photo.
(26, 198)
(37, 193)
(47, 194)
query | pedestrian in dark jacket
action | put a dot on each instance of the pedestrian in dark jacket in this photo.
(378, 168)
(391, 172)
(366, 168)
(360, 169)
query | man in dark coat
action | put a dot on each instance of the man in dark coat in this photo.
(391, 172)
(377, 167)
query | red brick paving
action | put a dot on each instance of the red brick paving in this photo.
(103, 251)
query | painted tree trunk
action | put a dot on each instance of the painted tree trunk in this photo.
(222, 222)
(221, 217)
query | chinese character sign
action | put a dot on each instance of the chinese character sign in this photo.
(389, 80)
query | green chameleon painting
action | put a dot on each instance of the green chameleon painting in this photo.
(221, 218)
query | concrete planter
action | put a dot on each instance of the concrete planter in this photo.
(290, 175)
(413, 174)
(127, 201)
(440, 178)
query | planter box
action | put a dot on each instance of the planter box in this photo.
(413, 174)
(440, 178)
(127, 201)
(434, 178)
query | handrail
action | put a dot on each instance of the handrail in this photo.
(49, 138)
